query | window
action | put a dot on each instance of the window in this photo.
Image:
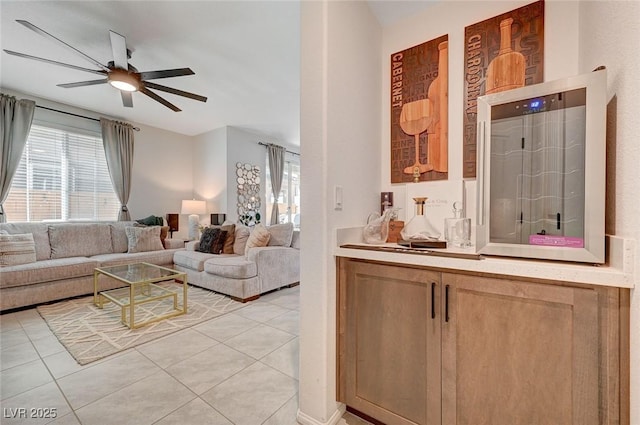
(289, 198)
(62, 176)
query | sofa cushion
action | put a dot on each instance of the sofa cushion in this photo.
(240, 242)
(193, 260)
(281, 234)
(259, 237)
(119, 240)
(40, 234)
(160, 258)
(46, 271)
(295, 239)
(16, 249)
(79, 239)
(235, 267)
(143, 239)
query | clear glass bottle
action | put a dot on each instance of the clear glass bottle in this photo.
(457, 230)
(419, 226)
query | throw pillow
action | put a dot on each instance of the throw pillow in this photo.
(217, 246)
(281, 234)
(230, 239)
(241, 237)
(164, 232)
(152, 220)
(259, 237)
(142, 239)
(212, 240)
(206, 240)
(17, 249)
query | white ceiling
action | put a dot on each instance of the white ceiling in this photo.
(245, 55)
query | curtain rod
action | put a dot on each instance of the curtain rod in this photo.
(286, 150)
(75, 115)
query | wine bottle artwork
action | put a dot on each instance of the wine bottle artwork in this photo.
(415, 118)
(506, 71)
(438, 94)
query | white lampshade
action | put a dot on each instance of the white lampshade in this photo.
(191, 206)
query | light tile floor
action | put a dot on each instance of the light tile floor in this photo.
(240, 368)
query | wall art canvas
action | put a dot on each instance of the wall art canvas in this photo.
(419, 112)
(501, 53)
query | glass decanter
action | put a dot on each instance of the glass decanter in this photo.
(419, 226)
(377, 229)
(457, 230)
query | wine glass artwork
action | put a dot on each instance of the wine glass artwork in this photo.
(415, 118)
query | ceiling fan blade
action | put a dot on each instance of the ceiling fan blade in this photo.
(82, 83)
(79, 68)
(157, 98)
(166, 73)
(119, 50)
(47, 35)
(127, 98)
(175, 91)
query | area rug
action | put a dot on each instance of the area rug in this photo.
(90, 333)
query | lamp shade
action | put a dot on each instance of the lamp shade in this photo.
(191, 206)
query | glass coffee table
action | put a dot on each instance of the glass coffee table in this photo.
(140, 288)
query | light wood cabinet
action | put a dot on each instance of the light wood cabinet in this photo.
(420, 346)
(391, 349)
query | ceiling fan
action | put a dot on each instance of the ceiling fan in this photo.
(119, 73)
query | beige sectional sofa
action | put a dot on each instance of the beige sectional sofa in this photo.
(66, 255)
(245, 275)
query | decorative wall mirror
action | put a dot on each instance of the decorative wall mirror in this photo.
(249, 202)
(541, 170)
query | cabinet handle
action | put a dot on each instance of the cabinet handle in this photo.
(446, 303)
(433, 300)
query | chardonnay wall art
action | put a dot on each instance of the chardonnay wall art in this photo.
(419, 112)
(501, 53)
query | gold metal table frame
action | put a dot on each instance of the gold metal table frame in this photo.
(140, 279)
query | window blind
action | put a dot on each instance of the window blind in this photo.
(62, 176)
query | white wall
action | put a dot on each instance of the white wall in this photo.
(610, 36)
(210, 171)
(161, 174)
(340, 118)
(560, 60)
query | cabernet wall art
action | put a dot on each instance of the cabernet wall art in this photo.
(419, 112)
(501, 53)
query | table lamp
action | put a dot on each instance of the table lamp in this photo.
(193, 208)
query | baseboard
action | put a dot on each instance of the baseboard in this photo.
(305, 419)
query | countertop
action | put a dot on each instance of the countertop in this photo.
(617, 272)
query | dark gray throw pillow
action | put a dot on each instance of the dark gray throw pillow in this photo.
(212, 240)
(152, 220)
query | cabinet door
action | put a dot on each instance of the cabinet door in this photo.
(389, 331)
(518, 353)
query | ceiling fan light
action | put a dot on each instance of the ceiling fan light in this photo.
(124, 81)
(123, 85)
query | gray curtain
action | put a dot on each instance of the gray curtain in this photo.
(276, 168)
(117, 138)
(15, 122)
